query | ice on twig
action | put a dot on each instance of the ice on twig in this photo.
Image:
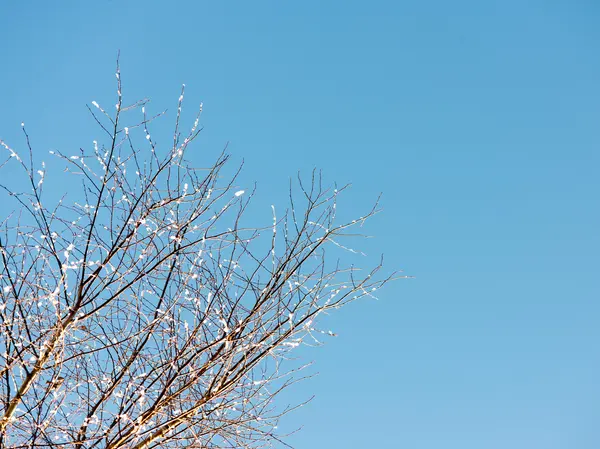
(239, 192)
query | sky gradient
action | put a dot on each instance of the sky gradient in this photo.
(479, 123)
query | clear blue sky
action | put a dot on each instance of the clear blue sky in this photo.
(478, 121)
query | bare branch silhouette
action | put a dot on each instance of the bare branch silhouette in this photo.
(145, 313)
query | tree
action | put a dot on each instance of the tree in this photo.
(144, 313)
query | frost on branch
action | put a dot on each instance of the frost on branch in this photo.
(142, 310)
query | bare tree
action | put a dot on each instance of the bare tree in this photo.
(142, 312)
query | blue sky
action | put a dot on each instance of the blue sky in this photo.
(479, 123)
